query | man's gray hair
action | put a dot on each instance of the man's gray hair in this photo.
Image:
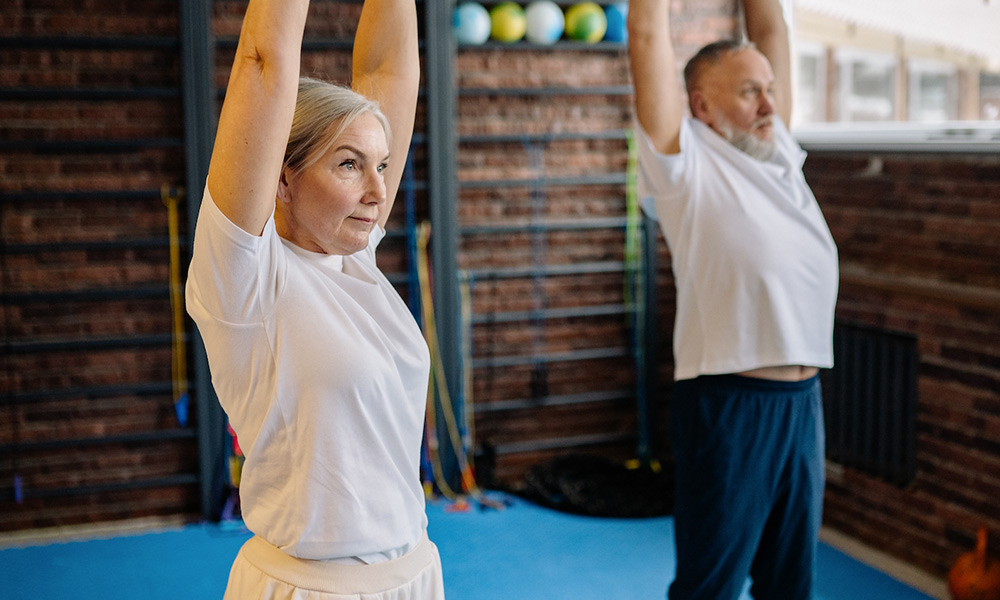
(709, 55)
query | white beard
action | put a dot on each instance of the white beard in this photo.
(746, 141)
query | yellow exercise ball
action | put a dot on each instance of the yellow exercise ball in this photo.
(508, 23)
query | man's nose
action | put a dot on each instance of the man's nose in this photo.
(766, 104)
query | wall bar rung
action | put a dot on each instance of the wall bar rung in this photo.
(88, 146)
(146, 437)
(102, 391)
(548, 313)
(601, 179)
(560, 136)
(546, 270)
(598, 439)
(90, 343)
(137, 293)
(609, 90)
(574, 225)
(109, 94)
(49, 42)
(559, 400)
(530, 359)
(85, 490)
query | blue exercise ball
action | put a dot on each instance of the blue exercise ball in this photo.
(471, 23)
(545, 22)
(616, 14)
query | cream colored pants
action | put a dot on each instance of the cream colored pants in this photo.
(263, 572)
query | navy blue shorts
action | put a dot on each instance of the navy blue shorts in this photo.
(750, 477)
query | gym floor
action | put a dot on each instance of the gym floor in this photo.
(522, 551)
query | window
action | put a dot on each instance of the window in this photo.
(989, 92)
(866, 89)
(932, 92)
(888, 69)
(810, 98)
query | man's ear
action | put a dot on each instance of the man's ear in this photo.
(699, 106)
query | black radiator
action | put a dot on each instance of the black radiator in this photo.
(870, 402)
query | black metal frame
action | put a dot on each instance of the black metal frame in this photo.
(440, 50)
(197, 60)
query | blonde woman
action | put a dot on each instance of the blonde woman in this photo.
(314, 356)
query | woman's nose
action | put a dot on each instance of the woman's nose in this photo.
(376, 187)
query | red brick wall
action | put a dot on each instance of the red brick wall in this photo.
(85, 311)
(919, 239)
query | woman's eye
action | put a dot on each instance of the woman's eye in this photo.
(350, 165)
(382, 167)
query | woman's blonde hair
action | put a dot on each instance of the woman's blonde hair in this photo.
(322, 111)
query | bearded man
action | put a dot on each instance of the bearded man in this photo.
(756, 272)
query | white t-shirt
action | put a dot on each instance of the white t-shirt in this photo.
(323, 373)
(754, 263)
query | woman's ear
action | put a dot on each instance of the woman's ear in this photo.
(284, 193)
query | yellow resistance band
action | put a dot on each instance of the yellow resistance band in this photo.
(178, 361)
(438, 380)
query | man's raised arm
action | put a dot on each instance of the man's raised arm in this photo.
(767, 29)
(659, 99)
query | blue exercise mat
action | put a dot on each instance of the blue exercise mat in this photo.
(523, 551)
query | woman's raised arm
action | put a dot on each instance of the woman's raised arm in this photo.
(387, 69)
(257, 112)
